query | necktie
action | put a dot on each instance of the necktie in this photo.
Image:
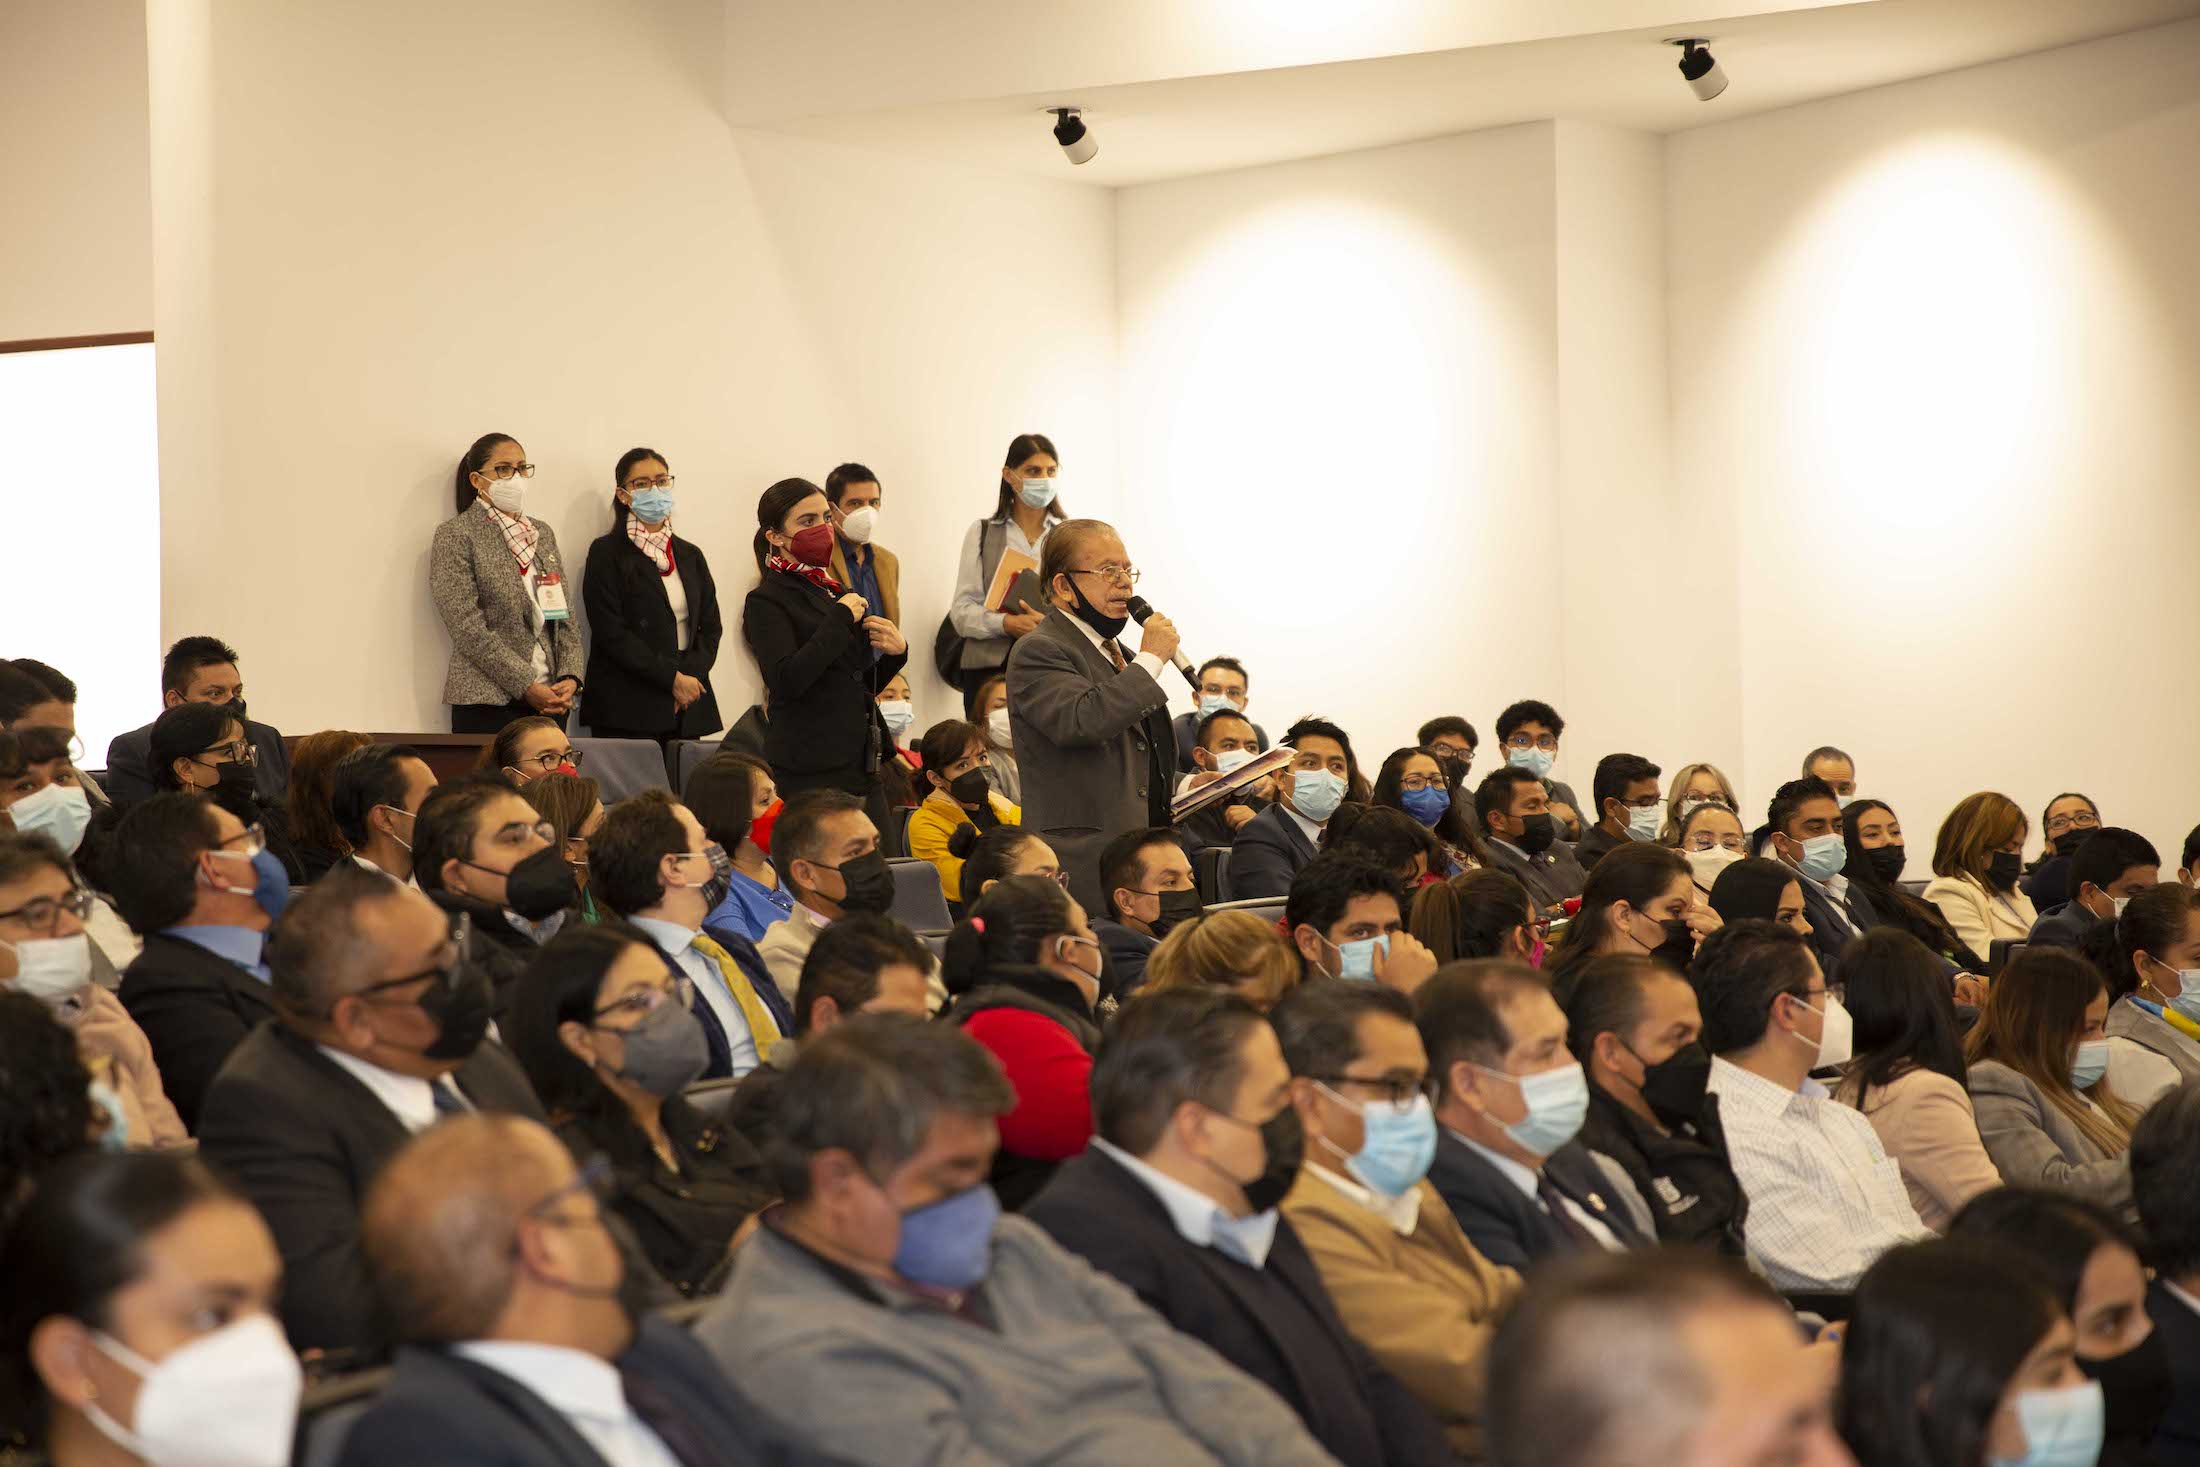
(1554, 1201)
(681, 1435)
(763, 1029)
(448, 1102)
(1115, 655)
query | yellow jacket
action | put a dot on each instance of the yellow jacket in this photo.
(1425, 1305)
(933, 821)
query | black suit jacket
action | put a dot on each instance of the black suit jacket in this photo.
(1505, 1224)
(2063, 926)
(303, 1139)
(1127, 950)
(1277, 1324)
(442, 1407)
(2177, 1440)
(1269, 852)
(634, 642)
(129, 774)
(818, 668)
(1827, 934)
(1552, 876)
(195, 1008)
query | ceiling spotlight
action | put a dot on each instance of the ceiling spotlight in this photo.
(1076, 139)
(1699, 70)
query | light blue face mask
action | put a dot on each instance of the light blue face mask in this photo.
(1558, 1102)
(1230, 761)
(1316, 794)
(1823, 856)
(1643, 822)
(1356, 960)
(1536, 761)
(651, 506)
(1398, 1144)
(2062, 1428)
(2091, 1063)
(1212, 703)
(1038, 493)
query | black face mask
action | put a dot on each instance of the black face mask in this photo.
(2068, 842)
(1107, 626)
(1176, 907)
(2004, 869)
(1285, 1139)
(972, 789)
(1887, 862)
(2137, 1385)
(1537, 838)
(460, 1005)
(1679, 945)
(540, 886)
(869, 884)
(237, 790)
(1674, 1087)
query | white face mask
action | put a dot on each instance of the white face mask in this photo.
(52, 970)
(1836, 1036)
(861, 524)
(1706, 865)
(996, 725)
(1230, 761)
(60, 811)
(507, 495)
(226, 1399)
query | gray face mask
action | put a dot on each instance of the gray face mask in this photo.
(665, 1052)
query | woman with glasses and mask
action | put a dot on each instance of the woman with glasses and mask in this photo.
(1026, 512)
(1026, 973)
(527, 749)
(38, 797)
(606, 1037)
(138, 1326)
(482, 852)
(201, 749)
(1977, 858)
(653, 619)
(962, 804)
(1694, 785)
(2068, 819)
(1711, 839)
(1424, 784)
(500, 586)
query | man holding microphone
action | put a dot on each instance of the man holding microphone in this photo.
(1089, 721)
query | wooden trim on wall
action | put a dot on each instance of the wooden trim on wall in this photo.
(66, 343)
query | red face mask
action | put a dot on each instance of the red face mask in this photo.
(760, 829)
(813, 546)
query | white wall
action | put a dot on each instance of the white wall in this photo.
(76, 256)
(387, 229)
(1934, 353)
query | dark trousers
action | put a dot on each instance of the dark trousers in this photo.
(600, 731)
(489, 718)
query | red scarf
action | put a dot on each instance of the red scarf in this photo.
(816, 575)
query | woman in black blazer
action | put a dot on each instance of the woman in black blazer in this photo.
(824, 656)
(653, 616)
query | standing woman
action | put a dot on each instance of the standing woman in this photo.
(499, 585)
(823, 653)
(1977, 858)
(653, 615)
(1028, 508)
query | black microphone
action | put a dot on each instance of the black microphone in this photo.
(1140, 608)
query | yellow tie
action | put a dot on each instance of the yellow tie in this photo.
(762, 1030)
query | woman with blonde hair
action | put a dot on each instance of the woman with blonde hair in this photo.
(1232, 950)
(1693, 785)
(1977, 858)
(2038, 1077)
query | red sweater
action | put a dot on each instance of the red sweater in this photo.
(1052, 1074)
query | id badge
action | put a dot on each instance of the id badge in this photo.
(550, 598)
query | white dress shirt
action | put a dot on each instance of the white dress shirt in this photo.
(1198, 1218)
(968, 608)
(1147, 660)
(679, 944)
(582, 1388)
(1525, 1179)
(410, 1098)
(1313, 831)
(1825, 1200)
(1402, 1212)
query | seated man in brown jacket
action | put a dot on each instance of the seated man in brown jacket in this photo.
(1402, 1274)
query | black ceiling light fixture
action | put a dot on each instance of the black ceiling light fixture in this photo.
(1078, 143)
(1699, 69)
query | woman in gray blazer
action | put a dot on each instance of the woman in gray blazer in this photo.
(501, 589)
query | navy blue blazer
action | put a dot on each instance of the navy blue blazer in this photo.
(1505, 1224)
(751, 962)
(1277, 1324)
(1269, 852)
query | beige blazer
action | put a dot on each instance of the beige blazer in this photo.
(1925, 1122)
(1981, 917)
(888, 570)
(1425, 1305)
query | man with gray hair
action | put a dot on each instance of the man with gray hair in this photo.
(888, 1313)
(379, 1031)
(1673, 1359)
(493, 1254)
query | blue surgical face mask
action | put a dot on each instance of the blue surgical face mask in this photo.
(2091, 1063)
(2062, 1428)
(1536, 761)
(652, 505)
(1427, 806)
(1558, 1102)
(949, 1244)
(1823, 856)
(1356, 960)
(1038, 493)
(1212, 703)
(1316, 794)
(1643, 822)
(270, 882)
(1398, 1144)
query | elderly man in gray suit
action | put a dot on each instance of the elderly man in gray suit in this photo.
(1089, 722)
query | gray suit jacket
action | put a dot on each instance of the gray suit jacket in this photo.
(484, 603)
(1083, 734)
(1550, 877)
(2126, 1020)
(2033, 1144)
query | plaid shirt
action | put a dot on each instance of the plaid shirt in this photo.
(520, 536)
(1824, 1199)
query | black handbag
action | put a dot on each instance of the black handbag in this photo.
(947, 643)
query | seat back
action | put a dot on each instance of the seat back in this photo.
(327, 1411)
(1211, 869)
(623, 767)
(1268, 909)
(686, 756)
(919, 902)
(711, 1097)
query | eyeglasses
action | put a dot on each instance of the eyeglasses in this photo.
(517, 833)
(254, 833)
(1390, 1088)
(550, 759)
(1415, 783)
(43, 914)
(506, 471)
(2064, 824)
(638, 1004)
(1548, 742)
(1122, 575)
(449, 959)
(662, 481)
(238, 751)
